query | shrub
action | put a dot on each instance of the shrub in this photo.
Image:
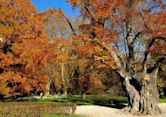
(34, 109)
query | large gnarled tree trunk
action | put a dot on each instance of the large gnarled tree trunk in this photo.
(142, 95)
(145, 100)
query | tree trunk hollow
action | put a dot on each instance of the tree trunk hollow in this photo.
(144, 101)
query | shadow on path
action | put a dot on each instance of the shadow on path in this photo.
(110, 103)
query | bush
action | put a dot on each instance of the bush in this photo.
(30, 109)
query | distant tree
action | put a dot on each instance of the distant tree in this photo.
(23, 38)
(58, 25)
(15, 27)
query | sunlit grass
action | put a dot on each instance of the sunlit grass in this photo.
(89, 100)
(163, 100)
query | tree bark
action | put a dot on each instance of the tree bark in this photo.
(83, 96)
(47, 93)
(144, 101)
(64, 79)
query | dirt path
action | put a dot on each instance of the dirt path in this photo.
(101, 111)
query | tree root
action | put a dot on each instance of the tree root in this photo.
(152, 110)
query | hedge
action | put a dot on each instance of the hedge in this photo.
(34, 109)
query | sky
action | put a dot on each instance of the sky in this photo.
(42, 5)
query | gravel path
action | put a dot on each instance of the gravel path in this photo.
(101, 111)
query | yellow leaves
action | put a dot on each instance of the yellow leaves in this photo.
(97, 58)
(108, 62)
(59, 13)
(62, 57)
(150, 24)
(83, 63)
(6, 31)
(97, 49)
(75, 2)
(58, 82)
(81, 38)
(58, 41)
(102, 66)
(17, 48)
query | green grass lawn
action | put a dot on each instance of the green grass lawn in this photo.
(104, 100)
(163, 100)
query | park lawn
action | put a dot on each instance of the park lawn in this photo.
(163, 100)
(92, 100)
(104, 100)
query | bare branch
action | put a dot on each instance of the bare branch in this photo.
(86, 8)
(158, 63)
(141, 14)
(71, 26)
(148, 47)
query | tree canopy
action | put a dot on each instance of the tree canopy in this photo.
(112, 42)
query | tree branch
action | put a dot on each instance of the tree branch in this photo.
(85, 7)
(71, 26)
(148, 47)
(141, 14)
(120, 69)
(157, 65)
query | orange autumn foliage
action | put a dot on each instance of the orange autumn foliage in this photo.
(23, 48)
(30, 58)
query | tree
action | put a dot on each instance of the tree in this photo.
(13, 22)
(129, 31)
(23, 37)
(59, 29)
(58, 25)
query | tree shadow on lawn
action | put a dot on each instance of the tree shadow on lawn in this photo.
(76, 100)
(110, 103)
(113, 103)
